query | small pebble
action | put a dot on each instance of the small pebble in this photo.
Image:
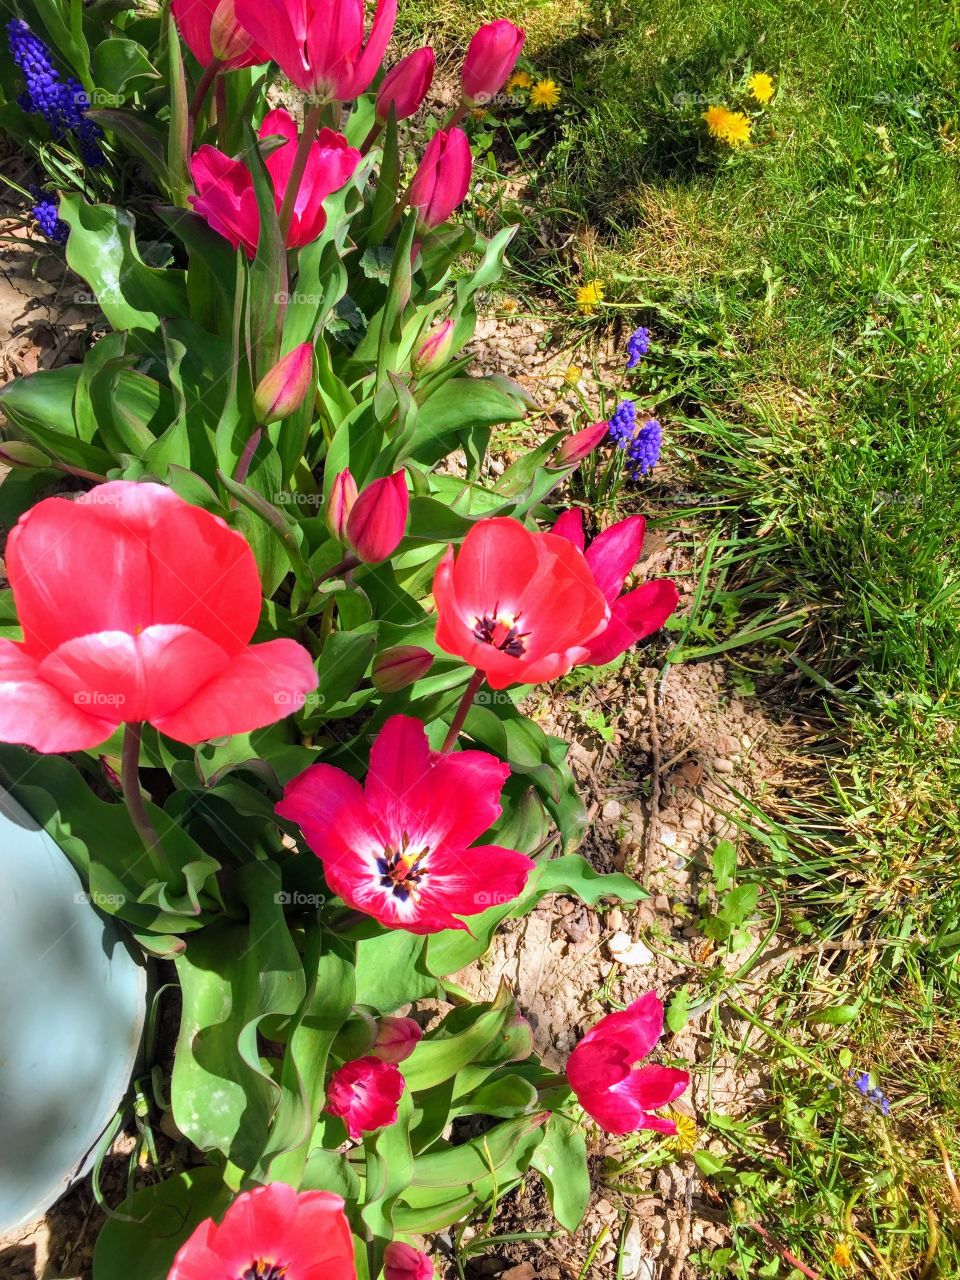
(611, 811)
(722, 765)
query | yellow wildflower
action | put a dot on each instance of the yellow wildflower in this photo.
(760, 86)
(842, 1257)
(545, 95)
(589, 297)
(509, 306)
(731, 127)
(685, 1139)
(572, 375)
(519, 81)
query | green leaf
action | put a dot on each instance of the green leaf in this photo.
(724, 865)
(101, 248)
(458, 404)
(678, 1011)
(437, 1058)
(389, 970)
(389, 1168)
(119, 64)
(143, 1236)
(561, 1159)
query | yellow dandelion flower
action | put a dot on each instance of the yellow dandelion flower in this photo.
(731, 127)
(572, 375)
(589, 297)
(519, 81)
(685, 1139)
(760, 86)
(509, 306)
(545, 95)
(842, 1257)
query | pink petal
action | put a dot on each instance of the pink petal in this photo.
(633, 617)
(279, 27)
(329, 808)
(570, 526)
(399, 759)
(613, 553)
(125, 557)
(653, 1086)
(262, 684)
(376, 46)
(38, 715)
(472, 880)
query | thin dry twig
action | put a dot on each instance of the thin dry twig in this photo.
(653, 824)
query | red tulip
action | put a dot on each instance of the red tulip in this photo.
(610, 557)
(400, 667)
(137, 606)
(405, 86)
(318, 44)
(433, 352)
(211, 30)
(399, 848)
(443, 178)
(284, 388)
(378, 518)
(609, 1087)
(268, 1233)
(403, 1262)
(520, 606)
(340, 503)
(492, 55)
(225, 195)
(580, 444)
(396, 1039)
(364, 1094)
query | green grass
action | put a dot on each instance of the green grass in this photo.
(805, 296)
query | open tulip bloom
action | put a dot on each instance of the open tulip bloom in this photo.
(365, 1094)
(271, 1233)
(137, 606)
(603, 1073)
(401, 847)
(225, 193)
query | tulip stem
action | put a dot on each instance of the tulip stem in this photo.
(456, 115)
(311, 127)
(371, 137)
(249, 449)
(343, 566)
(133, 798)
(466, 702)
(210, 73)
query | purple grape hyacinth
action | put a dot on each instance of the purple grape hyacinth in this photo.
(49, 221)
(638, 344)
(63, 104)
(642, 444)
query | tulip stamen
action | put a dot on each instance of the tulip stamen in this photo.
(260, 1269)
(502, 630)
(401, 871)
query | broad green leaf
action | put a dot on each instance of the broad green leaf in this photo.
(561, 1158)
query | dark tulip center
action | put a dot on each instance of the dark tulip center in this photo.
(260, 1269)
(402, 870)
(502, 630)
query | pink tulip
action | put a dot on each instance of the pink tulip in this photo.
(211, 30)
(283, 390)
(340, 503)
(378, 519)
(396, 1039)
(318, 44)
(443, 178)
(580, 444)
(364, 1093)
(610, 557)
(400, 667)
(403, 1262)
(492, 55)
(609, 1086)
(225, 195)
(136, 606)
(433, 352)
(405, 86)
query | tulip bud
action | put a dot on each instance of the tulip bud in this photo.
(396, 1039)
(340, 503)
(228, 40)
(405, 86)
(433, 352)
(442, 179)
(580, 444)
(492, 55)
(378, 518)
(284, 389)
(403, 1262)
(403, 665)
(17, 453)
